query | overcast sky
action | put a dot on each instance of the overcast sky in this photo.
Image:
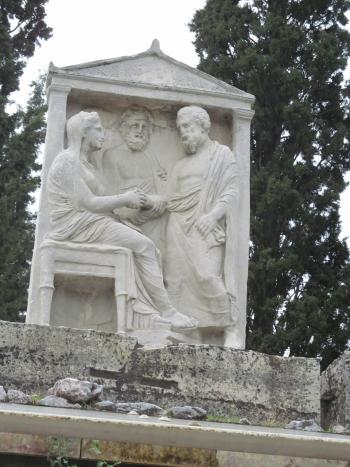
(85, 30)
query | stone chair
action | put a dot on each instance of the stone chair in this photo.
(89, 260)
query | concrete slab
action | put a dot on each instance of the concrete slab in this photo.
(180, 433)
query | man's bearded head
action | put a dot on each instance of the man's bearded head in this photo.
(191, 143)
(193, 124)
(136, 127)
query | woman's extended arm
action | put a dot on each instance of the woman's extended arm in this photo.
(86, 199)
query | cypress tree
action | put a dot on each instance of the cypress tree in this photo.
(22, 26)
(291, 55)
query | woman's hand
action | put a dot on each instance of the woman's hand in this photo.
(134, 199)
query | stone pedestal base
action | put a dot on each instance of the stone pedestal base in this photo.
(225, 382)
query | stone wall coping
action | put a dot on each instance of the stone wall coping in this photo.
(178, 433)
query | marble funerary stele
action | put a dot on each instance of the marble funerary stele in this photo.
(143, 224)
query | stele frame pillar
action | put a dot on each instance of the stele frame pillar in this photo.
(57, 95)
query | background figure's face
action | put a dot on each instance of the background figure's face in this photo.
(192, 134)
(95, 136)
(136, 131)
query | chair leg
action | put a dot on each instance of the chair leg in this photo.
(46, 286)
(46, 293)
(122, 274)
(129, 317)
(121, 313)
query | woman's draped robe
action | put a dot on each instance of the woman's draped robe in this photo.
(199, 271)
(70, 222)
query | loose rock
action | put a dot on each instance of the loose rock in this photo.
(74, 390)
(18, 397)
(244, 421)
(306, 425)
(107, 406)
(133, 408)
(142, 408)
(339, 429)
(54, 401)
(3, 395)
(188, 412)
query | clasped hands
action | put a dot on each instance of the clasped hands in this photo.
(155, 205)
(137, 199)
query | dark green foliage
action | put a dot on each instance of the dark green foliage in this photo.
(290, 54)
(22, 26)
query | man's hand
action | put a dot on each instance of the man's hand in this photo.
(158, 208)
(206, 224)
(135, 199)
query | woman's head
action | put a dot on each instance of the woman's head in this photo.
(85, 127)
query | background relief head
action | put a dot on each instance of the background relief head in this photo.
(136, 127)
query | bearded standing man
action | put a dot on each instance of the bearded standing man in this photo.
(199, 261)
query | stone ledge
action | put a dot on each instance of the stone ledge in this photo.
(40, 446)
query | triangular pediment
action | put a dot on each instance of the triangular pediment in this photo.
(153, 67)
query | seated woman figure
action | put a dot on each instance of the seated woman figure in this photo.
(79, 212)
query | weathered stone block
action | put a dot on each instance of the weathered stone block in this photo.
(335, 393)
(33, 358)
(224, 382)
